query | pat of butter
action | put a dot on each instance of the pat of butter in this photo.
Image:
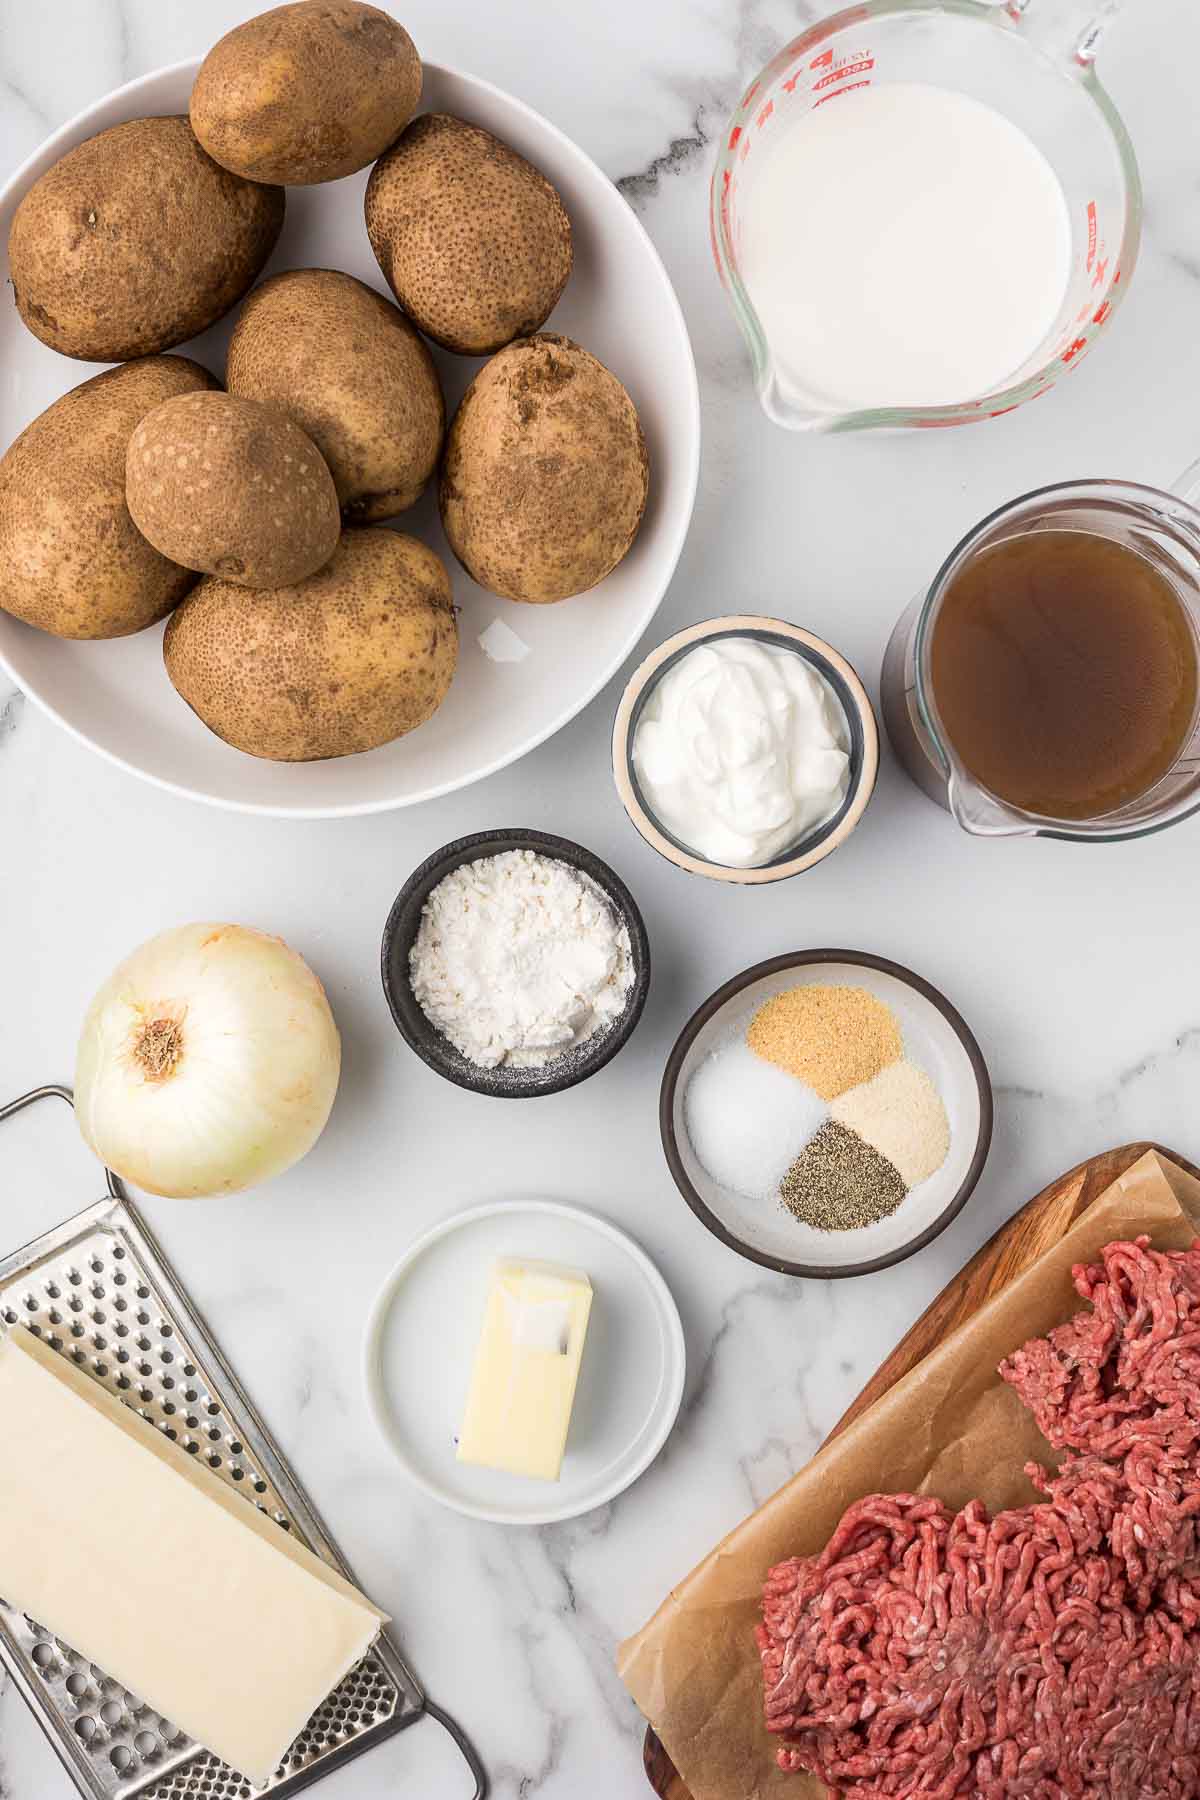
(526, 1367)
(155, 1570)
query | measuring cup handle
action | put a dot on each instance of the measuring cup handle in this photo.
(1070, 30)
(1188, 485)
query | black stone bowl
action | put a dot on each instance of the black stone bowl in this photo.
(399, 935)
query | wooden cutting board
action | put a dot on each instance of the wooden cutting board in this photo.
(1040, 1223)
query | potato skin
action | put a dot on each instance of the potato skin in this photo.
(347, 366)
(306, 93)
(359, 654)
(230, 487)
(545, 473)
(135, 240)
(474, 241)
(72, 562)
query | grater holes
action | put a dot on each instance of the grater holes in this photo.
(10, 1317)
(237, 1474)
(95, 1265)
(31, 1304)
(118, 1252)
(44, 1659)
(189, 1370)
(75, 1303)
(146, 1744)
(143, 1343)
(54, 1316)
(119, 1278)
(120, 1756)
(112, 1712)
(53, 1291)
(86, 1727)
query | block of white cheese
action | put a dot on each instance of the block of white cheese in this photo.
(526, 1368)
(155, 1570)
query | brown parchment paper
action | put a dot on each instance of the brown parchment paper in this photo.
(950, 1427)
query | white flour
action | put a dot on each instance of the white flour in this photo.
(518, 958)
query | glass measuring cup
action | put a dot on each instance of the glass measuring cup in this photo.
(1164, 528)
(1031, 60)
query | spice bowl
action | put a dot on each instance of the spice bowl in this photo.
(861, 732)
(934, 1041)
(431, 1044)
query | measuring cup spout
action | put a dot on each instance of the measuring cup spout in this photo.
(981, 813)
(1066, 30)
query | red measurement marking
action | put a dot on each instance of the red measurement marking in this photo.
(1091, 219)
(1101, 268)
(1001, 410)
(734, 135)
(824, 61)
(744, 149)
(1101, 313)
(1074, 349)
(851, 68)
(834, 92)
(765, 114)
(789, 86)
(750, 92)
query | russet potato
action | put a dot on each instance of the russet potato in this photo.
(545, 475)
(347, 366)
(360, 653)
(306, 93)
(135, 241)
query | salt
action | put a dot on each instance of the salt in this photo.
(747, 1120)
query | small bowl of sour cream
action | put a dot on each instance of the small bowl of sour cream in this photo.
(745, 749)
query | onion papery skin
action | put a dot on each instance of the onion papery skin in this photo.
(208, 1062)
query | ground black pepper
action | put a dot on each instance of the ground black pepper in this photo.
(839, 1183)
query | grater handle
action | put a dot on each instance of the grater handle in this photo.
(52, 1091)
(455, 1731)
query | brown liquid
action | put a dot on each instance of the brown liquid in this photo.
(1065, 672)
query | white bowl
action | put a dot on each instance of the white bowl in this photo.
(619, 304)
(936, 1038)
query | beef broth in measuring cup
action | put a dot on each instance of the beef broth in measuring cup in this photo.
(1064, 671)
(1048, 682)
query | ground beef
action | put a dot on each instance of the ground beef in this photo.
(1051, 1652)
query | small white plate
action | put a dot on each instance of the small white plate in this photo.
(421, 1339)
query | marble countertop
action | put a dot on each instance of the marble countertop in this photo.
(1075, 966)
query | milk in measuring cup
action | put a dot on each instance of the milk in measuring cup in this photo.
(903, 245)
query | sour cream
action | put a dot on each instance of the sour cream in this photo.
(741, 751)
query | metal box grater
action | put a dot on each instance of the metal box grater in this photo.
(99, 1290)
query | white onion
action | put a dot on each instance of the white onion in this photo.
(208, 1062)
